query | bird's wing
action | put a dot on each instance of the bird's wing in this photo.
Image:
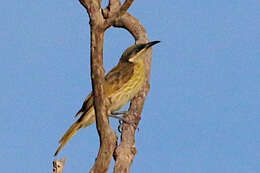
(114, 80)
(117, 77)
(86, 105)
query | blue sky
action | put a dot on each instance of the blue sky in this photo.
(202, 113)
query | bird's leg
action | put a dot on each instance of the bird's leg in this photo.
(115, 115)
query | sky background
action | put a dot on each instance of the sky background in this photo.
(203, 111)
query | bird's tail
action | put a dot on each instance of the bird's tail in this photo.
(85, 120)
(66, 137)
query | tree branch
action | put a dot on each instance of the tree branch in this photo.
(125, 152)
(132, 25)
(108, 138)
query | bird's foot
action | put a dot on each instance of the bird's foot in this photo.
(123, 120)
(115, 115)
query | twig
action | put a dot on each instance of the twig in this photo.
(58, 165)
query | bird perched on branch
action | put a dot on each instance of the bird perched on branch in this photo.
(121, 84)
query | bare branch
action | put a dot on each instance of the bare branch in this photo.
(108, 139)
(58, 165)
(125, 152)
(133, 25)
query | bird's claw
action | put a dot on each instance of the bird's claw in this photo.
(121, 122)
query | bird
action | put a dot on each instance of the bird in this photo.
(121, 84)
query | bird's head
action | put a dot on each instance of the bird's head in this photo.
(135, 53)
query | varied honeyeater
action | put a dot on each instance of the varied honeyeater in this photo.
(121, 84)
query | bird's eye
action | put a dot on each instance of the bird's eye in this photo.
(134, 52)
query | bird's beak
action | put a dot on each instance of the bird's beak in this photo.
(150, 44)
(140, 48)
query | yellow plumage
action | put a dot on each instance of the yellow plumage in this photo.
(121, 84)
